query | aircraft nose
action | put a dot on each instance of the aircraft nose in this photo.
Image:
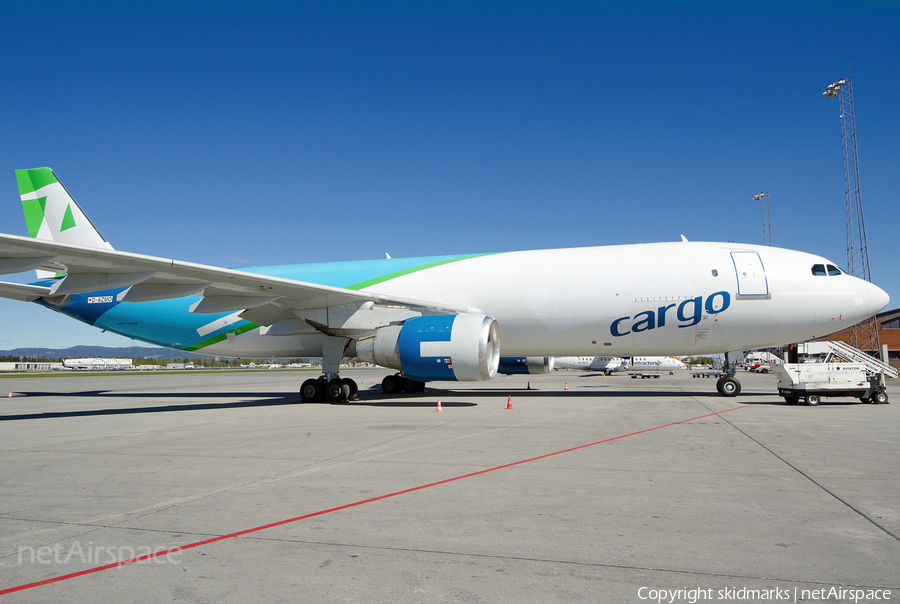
(878, 299)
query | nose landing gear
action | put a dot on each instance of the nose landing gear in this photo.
(728, 385)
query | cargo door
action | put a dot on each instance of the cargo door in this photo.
(751, 276)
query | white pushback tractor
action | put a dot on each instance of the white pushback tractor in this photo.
(846, 372)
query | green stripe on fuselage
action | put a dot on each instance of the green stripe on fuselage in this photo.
(414, 269)
(221, 337)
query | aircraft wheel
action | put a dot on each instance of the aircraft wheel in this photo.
(337, 391)
(410, 385)
(880, 398)
(354, 389)
(311, 391)
(728, 386)
(812, 399)
(421, 387)
(390, 384)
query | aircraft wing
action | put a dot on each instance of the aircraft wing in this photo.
(264, 298)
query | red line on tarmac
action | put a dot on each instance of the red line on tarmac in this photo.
(345, 506)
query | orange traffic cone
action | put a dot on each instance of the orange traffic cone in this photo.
(438, 410)
(529, 386)
(567, 386)
(10, 394)
(509, 401)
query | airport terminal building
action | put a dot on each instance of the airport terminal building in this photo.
(33, 365)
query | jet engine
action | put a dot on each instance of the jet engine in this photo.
(463, 348)
(525, 365)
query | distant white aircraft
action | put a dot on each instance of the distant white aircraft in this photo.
(611, 364)
(607, 365)
(433, 318)
(656, 364)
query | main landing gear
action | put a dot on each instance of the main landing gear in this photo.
(330, 386)
(334, 390)
(728, 385)
(394, 384)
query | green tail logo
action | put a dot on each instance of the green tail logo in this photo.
(52, 214)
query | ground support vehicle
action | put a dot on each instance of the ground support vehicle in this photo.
(808, 382)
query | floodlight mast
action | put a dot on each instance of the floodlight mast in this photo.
(767, 215)
(864, 335)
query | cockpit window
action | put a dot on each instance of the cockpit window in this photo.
(818, 270)
(833, 270)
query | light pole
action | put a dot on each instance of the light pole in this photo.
(767, 216)
(863, 335)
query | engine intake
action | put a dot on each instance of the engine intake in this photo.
(464, 348)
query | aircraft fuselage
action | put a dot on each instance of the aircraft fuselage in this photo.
(646, 299)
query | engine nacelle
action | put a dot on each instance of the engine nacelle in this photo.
(525, 365)
(463, 348)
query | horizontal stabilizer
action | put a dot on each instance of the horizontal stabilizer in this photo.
(9, 266)
(22, 292)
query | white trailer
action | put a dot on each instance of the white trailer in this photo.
(808, 382)
(860, 376)
(645, 375)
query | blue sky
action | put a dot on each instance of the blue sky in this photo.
(251, 133)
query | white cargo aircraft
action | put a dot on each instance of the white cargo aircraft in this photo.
(435, 318)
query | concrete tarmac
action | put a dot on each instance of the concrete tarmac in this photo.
(678, 489)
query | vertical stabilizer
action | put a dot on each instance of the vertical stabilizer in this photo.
(52, 214)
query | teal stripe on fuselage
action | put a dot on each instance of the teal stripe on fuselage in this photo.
(349, 273)
(163, 322)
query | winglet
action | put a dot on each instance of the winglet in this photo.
(52, 214)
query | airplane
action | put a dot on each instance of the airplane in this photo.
(611, 364)
(656, 364)
(605, 364)
(437, 318)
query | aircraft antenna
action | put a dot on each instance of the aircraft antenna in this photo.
(767, 216)
(863, 335)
